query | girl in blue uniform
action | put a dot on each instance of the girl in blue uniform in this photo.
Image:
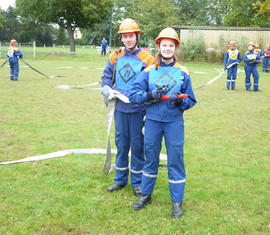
(164, 118)
(251, 59)
(121, 71)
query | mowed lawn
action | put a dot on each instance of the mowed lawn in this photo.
(226, 154)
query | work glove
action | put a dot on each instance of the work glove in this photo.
(225, 67)
(155, 94)
(174, 99)
(108, 92)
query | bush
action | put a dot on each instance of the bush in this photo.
(194, 50)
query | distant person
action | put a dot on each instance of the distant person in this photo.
(164, 118)
(258, 50)
(122, 69)
(266, 59)
(13, 55)
(251, 59)
(231, 58)
(104, 45)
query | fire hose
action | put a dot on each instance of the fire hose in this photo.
(4, 63)
(217, 77)
(38, 70)
(110, 115)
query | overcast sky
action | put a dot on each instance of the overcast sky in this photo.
(4, 4)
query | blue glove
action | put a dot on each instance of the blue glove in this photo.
(174, 99)
(155, 94)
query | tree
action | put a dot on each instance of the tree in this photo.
(263, 8)
(149, 12)
(2, 18)
(11, 25)
(61, 37)
(248, 13)
(69, 14)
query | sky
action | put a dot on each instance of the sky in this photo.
(4, 4)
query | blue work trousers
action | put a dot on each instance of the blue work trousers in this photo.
(103, 51)
(129, 136)
(173, 133)
(231, 76)
(252, 69)
(266, 61)
(14, 71)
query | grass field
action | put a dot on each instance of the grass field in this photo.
(226, 152)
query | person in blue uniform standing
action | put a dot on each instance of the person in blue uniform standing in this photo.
(232, 56)
(13, 55)
(164, 118)
(126, 64)
(266, 59)
(104, 45)
(251, 59)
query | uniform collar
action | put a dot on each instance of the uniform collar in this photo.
(163, 64)
(135, 52)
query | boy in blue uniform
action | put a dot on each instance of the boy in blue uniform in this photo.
(13, 55)
(104, 45)
(164, 118)
(266, 59)
(232, 56)
(251, 59)
(121, 71)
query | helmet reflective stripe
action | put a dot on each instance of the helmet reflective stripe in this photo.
(177, 181)
(149, 175)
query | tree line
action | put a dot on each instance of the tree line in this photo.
(36, 19)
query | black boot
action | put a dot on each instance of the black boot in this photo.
(177, 209)
(137, 191)
(115, 187)
(143, 201)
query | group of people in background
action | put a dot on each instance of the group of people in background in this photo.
(251, 59)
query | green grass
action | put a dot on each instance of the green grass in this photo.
(227, 158)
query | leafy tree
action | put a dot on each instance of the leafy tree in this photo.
(11, 25)
(2, 18)
(33, 30)
(61, 37)
(263, 8)
(69, 14)
(152, 17)
(248, 13)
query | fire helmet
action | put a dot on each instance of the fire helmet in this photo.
(232, 43)
(129, 26)
(252, 44)
(13, 41)
(168, 33)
